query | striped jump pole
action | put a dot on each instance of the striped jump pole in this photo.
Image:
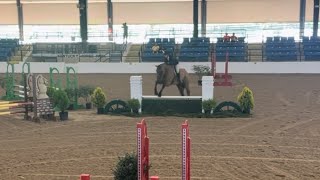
(9, 113)
(10, 102)
(143, 151)
(14, 105)
(185, 151)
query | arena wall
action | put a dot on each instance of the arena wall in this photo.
(169, 12)
(142, 68)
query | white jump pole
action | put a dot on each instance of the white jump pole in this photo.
(207, 88)
(136, 89)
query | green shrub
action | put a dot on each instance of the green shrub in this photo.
(126, 168)
(201, 70)
(208, 104)
(2, 83)
(246, 100)
(61, 100)
(99, 98)
(134, 104)
(86, 92)
(72, 93)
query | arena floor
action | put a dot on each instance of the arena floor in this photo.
(280, 141)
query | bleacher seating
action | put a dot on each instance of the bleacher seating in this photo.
(236, 50)
(7, 48)
(311, 48)
(195, 50)
(167, 43)
(280, 49)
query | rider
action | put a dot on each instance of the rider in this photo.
(169, 60)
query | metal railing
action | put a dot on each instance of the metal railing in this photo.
(255, 32)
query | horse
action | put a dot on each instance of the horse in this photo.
(167, 76)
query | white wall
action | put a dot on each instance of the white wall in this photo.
(140, 68)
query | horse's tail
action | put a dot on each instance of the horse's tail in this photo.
(186, 85)
(184, 77)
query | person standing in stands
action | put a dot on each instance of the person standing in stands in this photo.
(226, 38)
(234, 38)
(125, 31)
(155, 48)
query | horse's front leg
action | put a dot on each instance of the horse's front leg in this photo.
(155, 89)
(160, 92)
(181, 89)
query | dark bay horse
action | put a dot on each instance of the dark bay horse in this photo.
(167, 76)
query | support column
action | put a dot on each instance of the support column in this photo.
(302, 18)
(203, 18)
(315, 18)
(195, 18)
(83, 8)
(136, 89)
(20, 19)
(110, 20)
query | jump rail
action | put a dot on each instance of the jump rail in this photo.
(143, 151)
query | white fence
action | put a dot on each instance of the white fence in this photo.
(234, 67)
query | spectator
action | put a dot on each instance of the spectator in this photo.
(226, 38)
(234, 38)
(155, 48)
(125, 31)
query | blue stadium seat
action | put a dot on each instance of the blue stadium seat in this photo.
(280, 49)
(7, 48)
(195, 50)
(236, 51)
(311, 48)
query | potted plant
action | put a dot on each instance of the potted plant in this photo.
(86, 93)
(246, 100)
(61, 100)
(134, 105)
(201, 70)
(208, 105)
(99, 99)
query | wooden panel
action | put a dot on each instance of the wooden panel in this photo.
(153, 13)
(8, 14)
(253, 11)
(51, 14)
(224, 11)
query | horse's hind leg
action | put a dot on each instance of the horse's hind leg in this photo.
(160, 92)
(181, 90)
(186, 86)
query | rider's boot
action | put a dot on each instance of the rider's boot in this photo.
(178, 75)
